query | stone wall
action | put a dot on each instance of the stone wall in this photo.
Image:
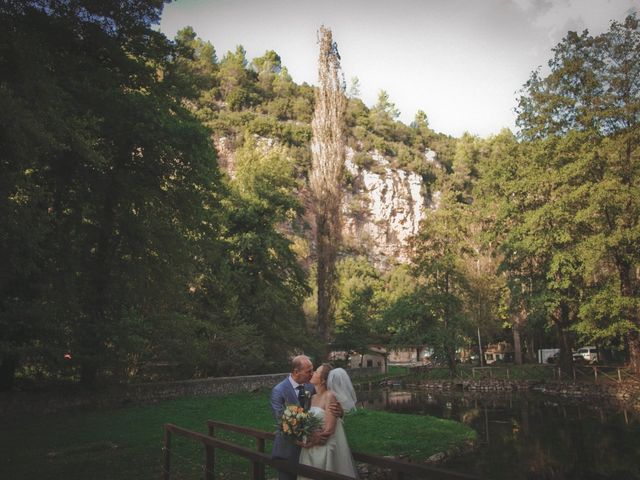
(40, 403)
(626, 393)
(484, 385)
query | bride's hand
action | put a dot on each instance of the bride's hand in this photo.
(307, 444)
(320, 438)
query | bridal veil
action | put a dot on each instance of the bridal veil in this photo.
(340, 384)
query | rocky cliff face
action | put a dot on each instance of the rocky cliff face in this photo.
(382, 210)
(226, 155)
(382, 207)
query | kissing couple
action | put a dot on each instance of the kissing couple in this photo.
(327, 393)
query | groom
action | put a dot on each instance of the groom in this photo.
(295, 389)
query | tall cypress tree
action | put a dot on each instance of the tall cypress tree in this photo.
(328, 149)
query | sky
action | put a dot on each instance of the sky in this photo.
(461, 61)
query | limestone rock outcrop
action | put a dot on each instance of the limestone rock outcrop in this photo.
(382, 206)
(382, 210)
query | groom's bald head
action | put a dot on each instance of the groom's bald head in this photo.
(301, 368)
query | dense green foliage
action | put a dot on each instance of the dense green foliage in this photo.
(544, 226)
(102, 232)
(577, 244)
(127, 442)
(127, 252)
(123, 246)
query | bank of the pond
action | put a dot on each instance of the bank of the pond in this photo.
(126, 442)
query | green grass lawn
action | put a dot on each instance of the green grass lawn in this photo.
(127, 442)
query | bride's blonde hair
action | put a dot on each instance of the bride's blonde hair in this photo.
(324, 374)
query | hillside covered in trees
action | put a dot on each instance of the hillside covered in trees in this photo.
(154, 196)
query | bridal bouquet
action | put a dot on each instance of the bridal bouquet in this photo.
(297, 424)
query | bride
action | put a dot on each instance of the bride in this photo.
(334, 455)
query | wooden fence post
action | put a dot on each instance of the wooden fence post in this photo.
(210, 460)
(398, 475)
(210, 456)
(258, 468)
(167, 454)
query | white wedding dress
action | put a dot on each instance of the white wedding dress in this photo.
(334, 456)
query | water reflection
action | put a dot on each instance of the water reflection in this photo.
(525, 436)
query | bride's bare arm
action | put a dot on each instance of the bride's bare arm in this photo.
(330, 418)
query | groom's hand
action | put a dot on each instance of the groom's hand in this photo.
(336, 409)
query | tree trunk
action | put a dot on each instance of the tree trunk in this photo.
(450, 353)
(97, 302)
(517, 350)
(627, 292)
(326, 278)
(88, 372)
(530, 353)
(633, 340)
(8, 367)
(518, 323)
(561, 319)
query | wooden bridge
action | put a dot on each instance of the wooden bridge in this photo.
(399, 470)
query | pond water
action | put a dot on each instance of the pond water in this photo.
(525, 436)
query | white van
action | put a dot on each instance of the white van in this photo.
(587, 354)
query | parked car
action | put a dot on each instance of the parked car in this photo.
(582, 355)
(545, 353)
(588, 354)
(554, 357)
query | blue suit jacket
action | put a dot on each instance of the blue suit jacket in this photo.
(281, 395)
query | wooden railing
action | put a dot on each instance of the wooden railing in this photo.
(596, 373)
(258, 457)
(578, 372)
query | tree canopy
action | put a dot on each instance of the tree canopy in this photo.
(155, 198)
